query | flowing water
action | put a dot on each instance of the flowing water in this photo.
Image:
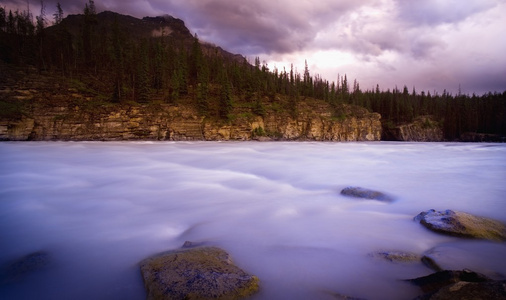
(98, 208)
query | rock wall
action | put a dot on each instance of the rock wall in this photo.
(423, 129)
(180, 123)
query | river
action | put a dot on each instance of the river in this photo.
(98, 208)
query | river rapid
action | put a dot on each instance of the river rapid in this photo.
(98, 208)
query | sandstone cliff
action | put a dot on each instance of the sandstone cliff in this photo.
(42, 108)
(180, 123)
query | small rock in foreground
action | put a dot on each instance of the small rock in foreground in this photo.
(196, 273)
(462, 225)
(359, 192)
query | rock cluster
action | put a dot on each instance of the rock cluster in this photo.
(449, 284)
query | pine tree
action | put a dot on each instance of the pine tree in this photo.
(142, 82)
(203, 90)
(40, 31)
(117, 58)
(88, 33)
(174, 86)
(3, 19)
(225, 96)
(196, 60)
(58, 15)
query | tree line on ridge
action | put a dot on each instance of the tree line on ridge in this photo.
(180, 69)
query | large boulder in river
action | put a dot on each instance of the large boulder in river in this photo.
(358, 192)
(196, 273)
(462, 224)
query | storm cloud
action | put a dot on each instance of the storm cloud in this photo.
(430, 44)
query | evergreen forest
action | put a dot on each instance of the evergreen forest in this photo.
(125, 64)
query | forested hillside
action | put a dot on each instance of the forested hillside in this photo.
(123, 60)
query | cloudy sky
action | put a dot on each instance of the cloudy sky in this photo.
(429, 44)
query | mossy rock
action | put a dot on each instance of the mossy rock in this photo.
(196, 273)
(462, 225)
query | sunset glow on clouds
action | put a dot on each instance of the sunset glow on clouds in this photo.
(429, 44)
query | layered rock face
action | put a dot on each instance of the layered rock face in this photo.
(422, 129)
(180, 123)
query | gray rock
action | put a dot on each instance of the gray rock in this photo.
(196, 273)
(359, 192)
(462, 225)
(397, 256)
(338, 296)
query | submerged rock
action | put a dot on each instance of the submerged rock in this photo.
(397, 256)
(359, 192)
(462, 224)
(196, 273)
(338, 296)
(25, 265)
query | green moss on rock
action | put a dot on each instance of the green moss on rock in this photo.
(462, 225)
(196, 273)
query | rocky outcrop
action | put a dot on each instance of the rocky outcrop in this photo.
(196, 273)
(462, 224)
(422, 129)
(179, 123)
(359, 192)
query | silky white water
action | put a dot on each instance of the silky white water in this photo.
(98, 208)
